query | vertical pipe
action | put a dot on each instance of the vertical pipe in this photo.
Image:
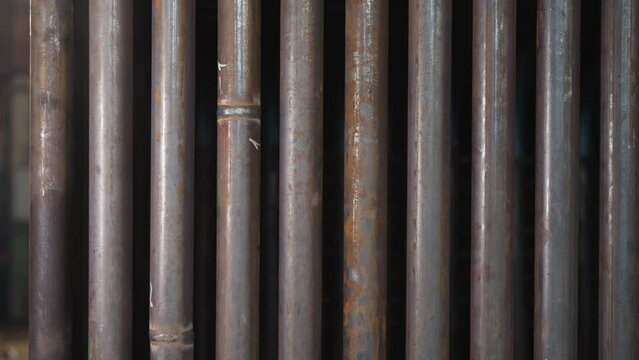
(110, 178)
(365, 179)
(51, 109)
(172, 167)
(238, 184)
(301, 131)
(491, 308)
(619, 230)
(428, 221)
(557, 161)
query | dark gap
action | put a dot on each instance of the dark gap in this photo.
(460, 180)
(205, 179)
(589, 180)
(79, 183)
(397, 177)
(524, 274)
(141, 175)
(269, 239)
(333, 193)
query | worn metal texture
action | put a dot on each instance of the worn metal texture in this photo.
(238, 180)
(429, 166)
(301, 130)
(51, 110)
(172, 168)
(557, 162)
(110, 178)
(492, 213)
(619, 230)
(365, 179)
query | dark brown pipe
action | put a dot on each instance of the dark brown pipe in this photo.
(238, 182)
(557, 162)
(172, 166)
(428, 221)
(365, 179)
(492, 232)
(51, 110)
(300, 271)
(619, 228)
(110, 178)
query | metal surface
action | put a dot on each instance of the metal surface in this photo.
(557, 162)
(238, 179)
(172, 168)
(300, 271)
(492, 224)
(110, 178)
(51, 110)
(429, 163)
(365, 179)
(619, 230)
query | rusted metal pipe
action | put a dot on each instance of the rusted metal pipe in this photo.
(300, 270)
(110, 178)
(557, 162)
(238, 179)
(492, 232)
(51, 110)
(365, 179)
(619, 230)
(428, 216)
(172, 167)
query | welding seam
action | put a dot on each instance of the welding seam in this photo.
(184, 337)
(250, 112)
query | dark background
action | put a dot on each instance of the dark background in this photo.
(333, 177)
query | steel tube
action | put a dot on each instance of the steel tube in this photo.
(619, 231)
(428, 216)
(557, 162)
(238, 181)
(492, 232)
(172, 167)
(300, 270)
(51, 110)
(110, 178)
(365, 179)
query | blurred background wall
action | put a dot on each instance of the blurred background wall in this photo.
(14, 176)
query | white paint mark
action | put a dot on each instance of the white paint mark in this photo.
(220, 66)
(255, 143)
(353, 275)
(151, 295)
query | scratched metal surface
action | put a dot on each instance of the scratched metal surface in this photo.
(238, 182)
(51, 110)
(619, 232)
(301, 130)
(493, 152)
(172, 183)
(365, 179)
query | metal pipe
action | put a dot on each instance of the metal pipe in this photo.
(51, 110)
(300, 270)
(428, 216)
(492, 232)
(557, 162)
(619, 230)
(365, 179)
(172, 167)
(238, 184)
(110, 178)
